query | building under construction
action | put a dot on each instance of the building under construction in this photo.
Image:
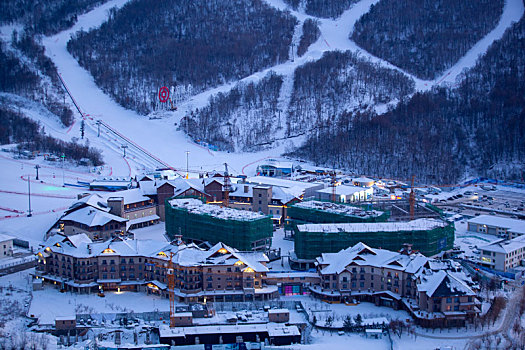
(194, 220)
(315, 211)
(427, 235)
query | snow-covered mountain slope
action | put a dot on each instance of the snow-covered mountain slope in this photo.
(160, 136)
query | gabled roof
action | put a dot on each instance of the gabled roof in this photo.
(94, 200)
(76, 240)
(362, 255)
(4, 237)
(221, 252)
(181, 185)
(92, 217)
(443, 284)
(130, 196)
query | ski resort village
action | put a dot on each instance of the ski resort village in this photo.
(262, 174)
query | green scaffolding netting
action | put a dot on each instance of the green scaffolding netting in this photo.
(310, 245)
(240, 234)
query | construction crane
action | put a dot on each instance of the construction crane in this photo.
(171, 286)
(412, 199)
(333, 185)
(227, 187)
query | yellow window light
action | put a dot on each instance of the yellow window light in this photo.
(162, 254)
(248, 269)
(108, 251)
(239, 263)
(222, 251)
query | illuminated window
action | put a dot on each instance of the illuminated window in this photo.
(162, 254)
(239, 263)
(222, 251)
(248, 269)
(108, 251)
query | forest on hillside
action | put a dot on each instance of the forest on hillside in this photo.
(322, 8)
(44, 16)
(242, 119)
(17, 128)
(444, 134)
(311, 33)
(337, 82)
(425, 37)
(27, 72)
(201, 43)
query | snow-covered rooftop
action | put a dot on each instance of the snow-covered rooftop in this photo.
(195, 206)
(363, 255)
(4, 237)
(340, 209)
(505, 246)
(273, 181)
(442, 283)
(134, 195)
(343, 190)
(512, 225)
(92, 217)
(414, 225)
(282, 194)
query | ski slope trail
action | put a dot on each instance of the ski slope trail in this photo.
(335, 35)
(161, 137)
(158, 137)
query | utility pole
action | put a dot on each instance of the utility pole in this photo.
(187, 165)
(63, 177)
(37, 167)
(29, 195)
(124, 148)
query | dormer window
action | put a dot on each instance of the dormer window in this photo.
(108, 251)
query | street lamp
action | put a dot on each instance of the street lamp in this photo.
(37, 167)
(187, 165)
(29, 195)
(63, 177)
(124, 148)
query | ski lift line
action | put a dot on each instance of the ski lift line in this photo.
(70, 95)
(164, 164)
(111, 129)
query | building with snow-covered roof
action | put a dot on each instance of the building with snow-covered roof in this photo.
(301, 188)
(109, 183)
(275, 168)
(95, 223)
(428, 236)
(180, 188)
(345, 194)
(504, 255)
(363, 182)
(269, 200)
(497, 225)
(221, 273)
(132, 204)
(6, 245)
(194, 220)
(405, 280)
